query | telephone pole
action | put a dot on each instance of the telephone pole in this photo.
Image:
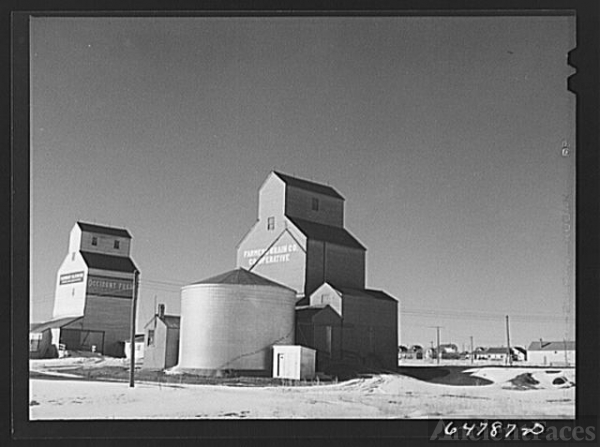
(472, 352)
(132, 339)
(438, 342)
(508, 343)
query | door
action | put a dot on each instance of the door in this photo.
(280, 364)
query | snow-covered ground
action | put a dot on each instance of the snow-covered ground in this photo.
(379, 397)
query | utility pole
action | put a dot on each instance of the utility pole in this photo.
(508, 343)
(132, 325)
(438, 342)
(472, 352)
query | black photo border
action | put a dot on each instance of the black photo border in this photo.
(585, 83)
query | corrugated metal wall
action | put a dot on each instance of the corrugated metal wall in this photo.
(232, 327)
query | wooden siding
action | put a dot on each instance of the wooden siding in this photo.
(155, 354)
(345, 266)
(325, 294)
(298, 203)
(110, 315)
(315, 333)
(326, 262)
(315, 266)
(550, 358)
(69, 299)
(286, 270)
(105, 244)
(271, 202)
(370, 330)
(172, 347)
(113, 274)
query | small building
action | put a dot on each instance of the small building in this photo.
(496, 354)
(293, 362)
(369, 324)
(551, 353)
(44, 338)
(320, 327)
(161, 350)
(520, 354)
(448, 351)
(139, 348)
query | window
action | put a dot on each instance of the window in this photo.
(94, 240)
(315, 204)
(150, 337)
(271, 223)
(117, 245)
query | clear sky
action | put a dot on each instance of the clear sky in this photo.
(444, 135)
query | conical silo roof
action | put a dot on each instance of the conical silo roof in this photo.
(241, 277)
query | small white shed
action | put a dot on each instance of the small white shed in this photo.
(293, 362)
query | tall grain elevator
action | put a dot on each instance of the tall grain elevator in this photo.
(94, 289)
(299, 240)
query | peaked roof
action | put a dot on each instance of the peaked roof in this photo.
(552, 346)
(171, 321)
(241, 277)
(102, 229)
(495, 350)
(54, 323)
(326, 233)
(308, 312)
(308, 185)
(101, 261)
(367, 293)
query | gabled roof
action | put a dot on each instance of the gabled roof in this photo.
(308, 185)
(326, 233)
(365, 293)
(171, 321)
(101, 261)
(308, 312)
(241, 277)
(138, 338)
(109, 231)
(495, 350)
(53, 324)
(552, 346)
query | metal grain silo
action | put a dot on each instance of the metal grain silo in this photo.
(231, 321)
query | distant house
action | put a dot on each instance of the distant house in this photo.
(520, 353)
(161, 349)
(44, 337)
(494, 354)
(449, 351)
(551, 353)
(415, 352)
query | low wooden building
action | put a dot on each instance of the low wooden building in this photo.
(369, 324)
(161, 349)
(551, 353)
(320, 327)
